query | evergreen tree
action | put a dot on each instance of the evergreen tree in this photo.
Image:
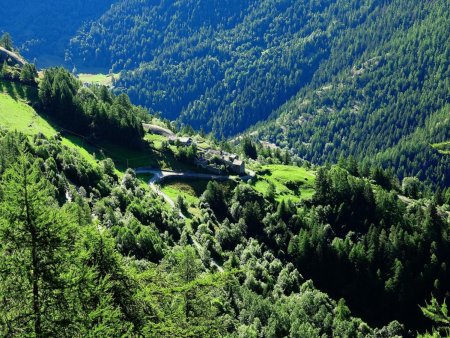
(34, 237)
(323, 187)
(438, 313)
(249, 148)
(28, 73)
(4, 70)
(6, 41)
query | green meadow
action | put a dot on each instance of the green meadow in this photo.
(281, 176)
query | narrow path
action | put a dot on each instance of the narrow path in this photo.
(160, 175)
(154, 129)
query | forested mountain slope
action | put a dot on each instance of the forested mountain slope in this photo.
(384, 90)
(110, 258)
(335, 77)
(42, 28)
(220, 66)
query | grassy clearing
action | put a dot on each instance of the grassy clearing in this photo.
(280, 176)
(175, 189)
(98, 79)
(202, 143)
(17, 115)
(191, 191)
(155, 137)
(157, 140)
(91, 154)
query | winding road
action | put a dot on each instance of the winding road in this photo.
(161, 175)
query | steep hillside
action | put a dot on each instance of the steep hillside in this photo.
(236, 259)
(217, 66)
(358, 78)
(42, 28)
(383, 100)
(334, 77)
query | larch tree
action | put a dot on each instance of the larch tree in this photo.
(33, 235)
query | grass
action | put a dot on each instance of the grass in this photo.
(156, 139)
(280, 175)
(17, 115)
(190, 190)
(125, 157)
(98, 79)
(184, 189)
(88, 152)
(18, 91)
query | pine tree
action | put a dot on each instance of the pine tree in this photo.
(105, 306)
(6, 41)
(34, 246)
(28, 73)
(4, 70)
(323, 187)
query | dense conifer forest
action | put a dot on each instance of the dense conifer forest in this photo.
(339, 227)
(86, 248)
(43, 28)
(359, 78)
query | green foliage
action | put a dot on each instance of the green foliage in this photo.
(43, 29)
(375, 98)
(438, 313)
(249, 148)
(6, 41)
(115, 263)
(214, 196)
(91, 112)
(34, 237)
(28, 74)
(187, 154)
(245, 67)
(411, 187)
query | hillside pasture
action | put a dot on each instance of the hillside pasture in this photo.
(191, 190)
(291, 182)
(98, 79)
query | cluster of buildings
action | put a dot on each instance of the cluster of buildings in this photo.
(184, 141)
(214, 161)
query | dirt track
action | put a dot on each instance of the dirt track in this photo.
(6, 54)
